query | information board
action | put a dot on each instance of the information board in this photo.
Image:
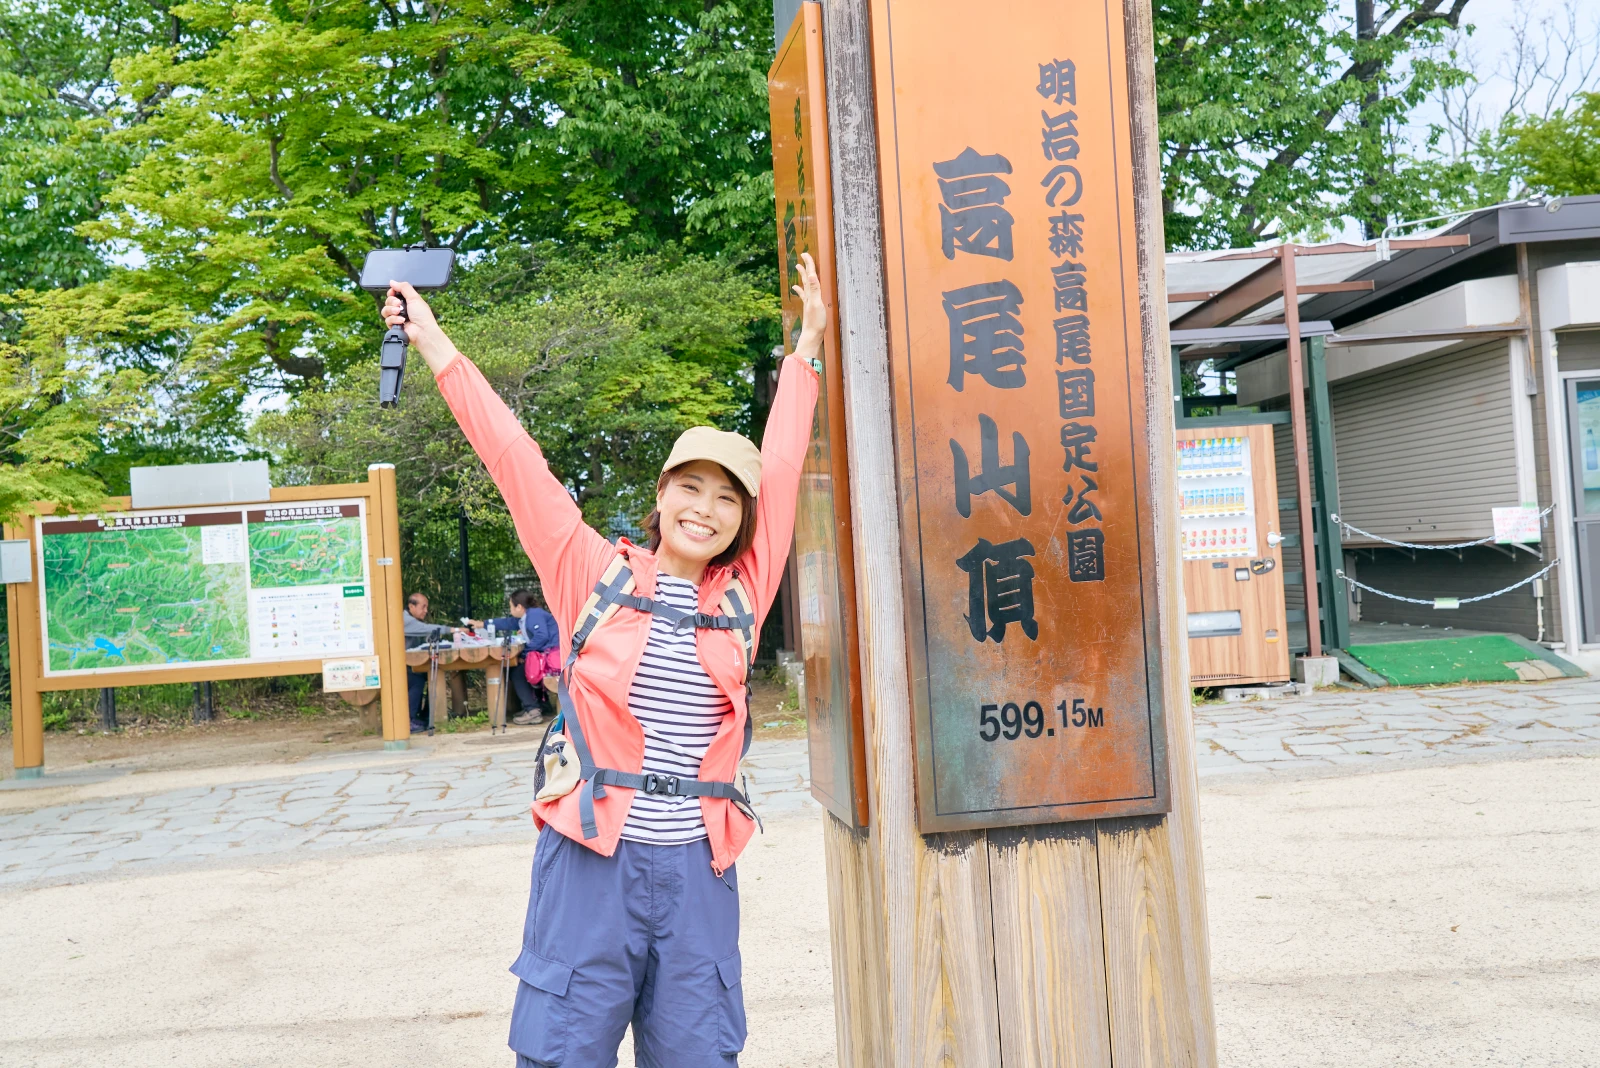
(826, 569)
(155, 589)
(1022, 449)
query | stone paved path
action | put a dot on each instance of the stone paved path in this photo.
(1341, 727)
(392, 801)
(380, 799)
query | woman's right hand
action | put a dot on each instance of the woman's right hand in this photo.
(419, 324)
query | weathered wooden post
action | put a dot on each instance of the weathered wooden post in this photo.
(1022, 882)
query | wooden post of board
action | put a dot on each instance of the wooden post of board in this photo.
(387, 598)
(1061, 944)
(27, 702)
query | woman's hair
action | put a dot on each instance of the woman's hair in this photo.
(747, 519)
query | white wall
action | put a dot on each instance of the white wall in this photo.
(1479, 302)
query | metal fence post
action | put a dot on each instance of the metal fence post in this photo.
(1330, 553)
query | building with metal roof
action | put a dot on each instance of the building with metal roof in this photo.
(1444, 375)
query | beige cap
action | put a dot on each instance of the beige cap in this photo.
(733, 451)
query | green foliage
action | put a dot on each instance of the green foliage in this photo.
(301, 135)
(172, 704)
(57, 105)
(241, 159)
(306, 135)
(1277, 118)
(671, 116)
(1559, 155)
(605, 361)
(57, 402)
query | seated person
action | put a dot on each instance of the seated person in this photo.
(539, 636)
(420, 632)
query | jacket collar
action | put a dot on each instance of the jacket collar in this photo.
(643, 564)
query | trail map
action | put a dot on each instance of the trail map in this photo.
(311, 552)
(123, 598)
(150, 590)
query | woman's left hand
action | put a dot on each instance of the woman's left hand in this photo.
(813, 312)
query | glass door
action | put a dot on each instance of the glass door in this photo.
(1583, 429)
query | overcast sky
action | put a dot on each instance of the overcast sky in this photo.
(1490, 49)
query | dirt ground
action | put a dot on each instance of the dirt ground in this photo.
(283, 733)
(1435, 917)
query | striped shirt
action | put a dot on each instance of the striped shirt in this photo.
(680, 709)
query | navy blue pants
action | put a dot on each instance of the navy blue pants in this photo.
(528, 695)
(648, 936)
(416, 685)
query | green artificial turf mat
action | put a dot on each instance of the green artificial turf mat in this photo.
(1478, 659)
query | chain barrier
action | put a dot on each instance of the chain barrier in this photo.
(1413, 545)
(1433, 603)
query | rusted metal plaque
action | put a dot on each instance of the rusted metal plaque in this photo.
(1019, 411)
(826, 586)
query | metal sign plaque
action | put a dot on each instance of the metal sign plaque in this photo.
(1021, 443)
(825, 586)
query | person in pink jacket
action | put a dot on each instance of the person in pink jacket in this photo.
(633, 911)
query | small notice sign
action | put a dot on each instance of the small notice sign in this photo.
(354, 673)
(1519, 525)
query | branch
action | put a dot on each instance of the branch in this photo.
(499, 117)
(1363, 70)
(272, 167)
(83, 102)
(299, 366)
(147, 106)
(337, 256)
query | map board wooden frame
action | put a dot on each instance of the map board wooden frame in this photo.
(26, 639)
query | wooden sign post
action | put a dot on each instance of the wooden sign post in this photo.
(288, 619)
(1027, 887)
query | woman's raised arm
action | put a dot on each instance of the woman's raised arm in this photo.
(568, 554)
(784, 444)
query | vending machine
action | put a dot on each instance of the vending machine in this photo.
(1232, 561)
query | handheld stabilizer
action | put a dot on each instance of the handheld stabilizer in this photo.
(426, 269)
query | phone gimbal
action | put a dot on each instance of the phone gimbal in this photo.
(426, 269)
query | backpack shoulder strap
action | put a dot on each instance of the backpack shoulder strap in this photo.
(614, 584)
(738, 606)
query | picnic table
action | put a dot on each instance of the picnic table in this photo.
(444, 666)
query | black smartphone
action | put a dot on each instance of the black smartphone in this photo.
(425, 268)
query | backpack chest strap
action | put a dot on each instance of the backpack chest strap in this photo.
(680, 620)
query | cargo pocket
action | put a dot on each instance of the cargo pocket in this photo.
(733, 1022)
(539, 1020)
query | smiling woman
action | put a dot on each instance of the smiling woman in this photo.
(656, 711)
(704, 513)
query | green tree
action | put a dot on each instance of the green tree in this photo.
(58, 102)
(671, 115)
(605, 361)
(1284, 117)
(1559, 155)
(307, 133)
(243, 157)
(57, 404)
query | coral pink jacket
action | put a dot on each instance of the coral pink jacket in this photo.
(570, 557)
